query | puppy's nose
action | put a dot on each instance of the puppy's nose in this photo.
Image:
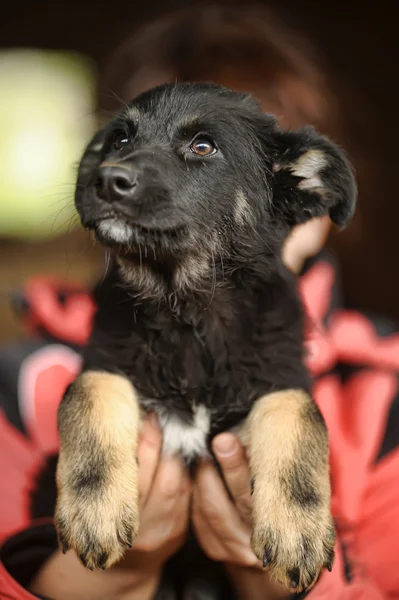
(115, 183)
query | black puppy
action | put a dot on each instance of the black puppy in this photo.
(194, 190)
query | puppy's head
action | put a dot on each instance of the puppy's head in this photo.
(193, 174)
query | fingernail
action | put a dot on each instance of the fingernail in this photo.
(225, 444)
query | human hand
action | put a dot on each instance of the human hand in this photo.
(305, 241)
(223, 525)
(164, 489)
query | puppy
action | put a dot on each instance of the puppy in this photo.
(194, 190)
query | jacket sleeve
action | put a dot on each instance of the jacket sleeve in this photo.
(362, 415)
(22, 555)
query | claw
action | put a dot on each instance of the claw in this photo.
(266, 558)
(102, 561)
(330, 562)
(64, 546)
(82, 558)
(294, 576)
(129, 540)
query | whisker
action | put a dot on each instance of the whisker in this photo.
(107, 259)
(221, 263)
(114, 95)
(141, 258)
(213, 280)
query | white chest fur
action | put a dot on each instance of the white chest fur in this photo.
(187, 439)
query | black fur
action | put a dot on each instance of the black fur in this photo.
(194, 191)
(235, 331)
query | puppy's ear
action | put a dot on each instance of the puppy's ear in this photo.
(91, 158)
(311, 178)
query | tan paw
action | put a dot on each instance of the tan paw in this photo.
(99, 522)
(294, 547)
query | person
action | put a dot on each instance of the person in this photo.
(354, 362)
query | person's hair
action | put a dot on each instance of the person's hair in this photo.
(245, 44)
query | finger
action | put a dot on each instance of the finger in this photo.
(207, 539)
(181, 514)
(148, 455)
(156, 531)
(165, 516)
(211, 500)
(157, 543)
(234, 465)
(169, 483)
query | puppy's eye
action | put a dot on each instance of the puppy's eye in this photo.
(203, 147)
(121, 140)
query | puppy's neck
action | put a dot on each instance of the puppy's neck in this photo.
(196, 281)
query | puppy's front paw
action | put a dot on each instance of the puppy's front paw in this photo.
(97, 516)
(97, 474)
(294, 543)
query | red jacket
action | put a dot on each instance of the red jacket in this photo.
(355, 364)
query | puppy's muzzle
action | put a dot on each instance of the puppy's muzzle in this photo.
(116, 183)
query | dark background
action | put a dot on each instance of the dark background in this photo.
(359, 44)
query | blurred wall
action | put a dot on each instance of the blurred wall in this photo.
(362, 51)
